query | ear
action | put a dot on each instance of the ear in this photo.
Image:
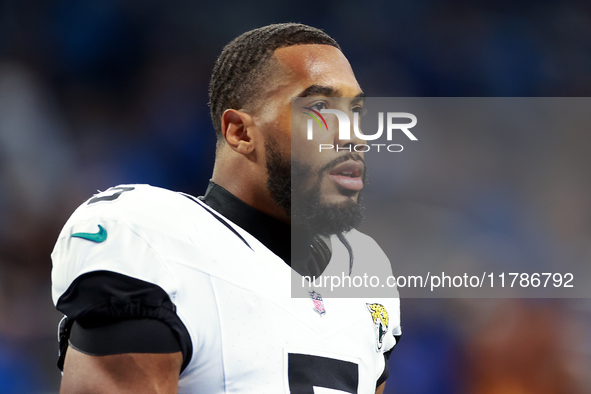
(235, 128)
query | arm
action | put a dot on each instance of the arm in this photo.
(381, 388)
(121, 373)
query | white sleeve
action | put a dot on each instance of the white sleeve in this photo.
(106, 265)
(124, 249)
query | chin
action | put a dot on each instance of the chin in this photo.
(340, 196)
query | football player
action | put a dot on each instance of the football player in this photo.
(163, 292)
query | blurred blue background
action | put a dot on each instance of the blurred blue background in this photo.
(98, 93)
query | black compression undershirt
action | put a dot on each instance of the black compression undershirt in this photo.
(307, 254)
(270, 232)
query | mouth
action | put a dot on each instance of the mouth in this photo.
(348, 175)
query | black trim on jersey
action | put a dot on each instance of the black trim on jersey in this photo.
(99, 298)
(308, 255)
(349, 249)
(384, 376)
(270, 232)
(386, 372)
(220, 219)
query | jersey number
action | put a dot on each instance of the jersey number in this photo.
(118, 191)
(305, 372)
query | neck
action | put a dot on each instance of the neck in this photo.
(249, 185)
(305, 253)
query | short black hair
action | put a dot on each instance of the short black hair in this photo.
(237, 73)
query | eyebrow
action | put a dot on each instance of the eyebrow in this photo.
(328, 91)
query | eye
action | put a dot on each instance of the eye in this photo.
(318, 106)
(359, 109)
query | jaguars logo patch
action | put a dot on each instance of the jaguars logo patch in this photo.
(379, 316)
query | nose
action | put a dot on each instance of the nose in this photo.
(344, 136)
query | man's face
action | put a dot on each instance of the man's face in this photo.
(319, 189)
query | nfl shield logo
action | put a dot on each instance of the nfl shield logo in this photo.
(318, 303)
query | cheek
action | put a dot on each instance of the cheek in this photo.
(274, 118)
(301, 147)
(315, 149)
(276, 133)
(307, 152)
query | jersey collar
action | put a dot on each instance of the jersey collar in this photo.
(310, 253)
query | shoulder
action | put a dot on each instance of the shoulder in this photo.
(133, 203)
(129, 230)
(371, 258)
(367, 252)
(112, 258)
(361, 240)
(147, 211)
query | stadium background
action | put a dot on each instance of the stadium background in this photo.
(97, 93)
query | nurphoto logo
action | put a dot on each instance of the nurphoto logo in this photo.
(345, 129)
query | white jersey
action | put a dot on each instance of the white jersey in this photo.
(232, 294)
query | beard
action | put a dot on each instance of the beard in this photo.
(287, 184)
